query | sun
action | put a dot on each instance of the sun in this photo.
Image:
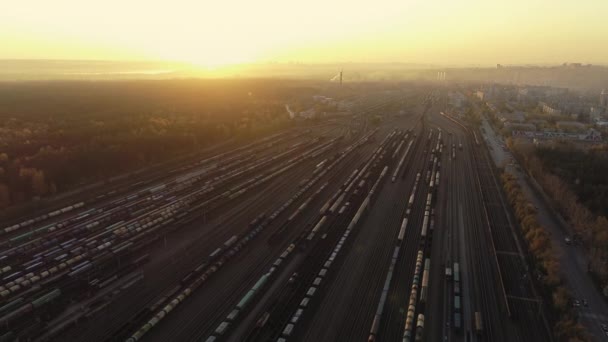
(206, 58)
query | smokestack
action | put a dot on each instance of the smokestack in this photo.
(340, 77)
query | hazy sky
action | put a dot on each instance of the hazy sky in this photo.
(216, 32)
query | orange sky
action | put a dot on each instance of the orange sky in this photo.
(212, 33)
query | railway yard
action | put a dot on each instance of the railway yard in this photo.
(345, 231)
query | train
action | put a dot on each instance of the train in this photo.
(456, 299)
(84, 244)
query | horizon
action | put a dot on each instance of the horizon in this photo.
(575, 76)
(443, 33)
(296, 62)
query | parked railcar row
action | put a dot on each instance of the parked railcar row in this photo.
(230, 319)
(224, 158)
(411, 309)
(128, 205)
(312, 290)
(387, 282)
(200, 275)
(289, 327)
(411, 323)
(378, 152)
(338, 197)
(399, 147)
(305, 204)
(358, 179)
(41, 218)
(134, 232)
(203, 191)
(455, 271)
(401, 142)
(248, 297)
(414, 326)
(408, 210)
(368, 198)
(281, 260)
(277, 212)
(251, 294)
(333, 208)
(437, 148)
(26, 308)
(477, 317)
(373, 333)
(398, 169)
(351, 186)
(433, 173)
(466, 129)
(217, 265)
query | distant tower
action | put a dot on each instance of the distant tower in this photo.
(604, 98)
(340, 77)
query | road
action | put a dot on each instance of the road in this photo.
(572, 258)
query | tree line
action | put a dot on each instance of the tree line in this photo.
(583, 170)
(566, 177)
(545, 264)
(55, 136)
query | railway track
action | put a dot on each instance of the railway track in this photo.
(393, 321)
(72, 245)
(209, 253)
(204, 329)
(508, 264)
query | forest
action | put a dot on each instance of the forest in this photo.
(57, 135)
(584, 170)
(545, 264)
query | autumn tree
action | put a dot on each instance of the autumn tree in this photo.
(561, 298)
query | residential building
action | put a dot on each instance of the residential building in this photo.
(547, 109)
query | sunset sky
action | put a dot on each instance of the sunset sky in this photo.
(212, 33)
